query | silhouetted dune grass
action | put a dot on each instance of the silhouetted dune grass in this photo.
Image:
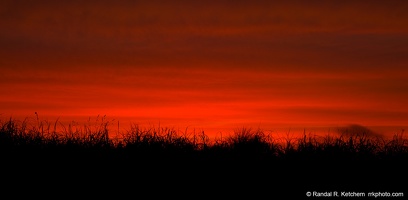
(247, 161)
(245, 143)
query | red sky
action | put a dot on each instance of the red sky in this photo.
(211, 65)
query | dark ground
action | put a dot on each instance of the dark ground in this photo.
(91, 178)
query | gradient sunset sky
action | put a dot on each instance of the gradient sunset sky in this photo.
(211, 65)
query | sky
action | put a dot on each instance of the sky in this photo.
(206, 65)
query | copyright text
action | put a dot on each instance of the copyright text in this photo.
(353, 194)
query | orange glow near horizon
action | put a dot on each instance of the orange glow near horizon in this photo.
(210, 66)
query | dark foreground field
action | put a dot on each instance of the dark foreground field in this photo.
(38, 161)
